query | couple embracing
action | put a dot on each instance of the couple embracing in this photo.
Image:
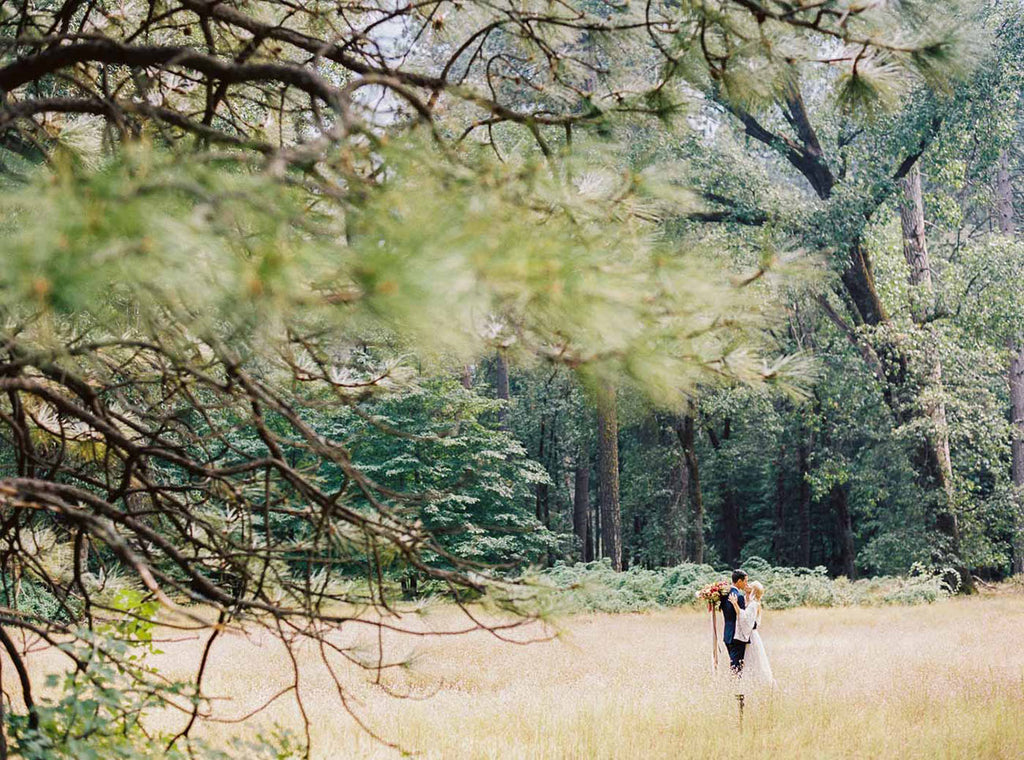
(742, 612)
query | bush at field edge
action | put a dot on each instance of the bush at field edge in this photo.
(596, 586)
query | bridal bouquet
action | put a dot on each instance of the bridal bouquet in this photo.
(714, 594)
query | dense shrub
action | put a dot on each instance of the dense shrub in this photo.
(595, 586)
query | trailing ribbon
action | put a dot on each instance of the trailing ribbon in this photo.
(714, 635)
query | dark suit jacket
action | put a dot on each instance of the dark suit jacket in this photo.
(730, 614)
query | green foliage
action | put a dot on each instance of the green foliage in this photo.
(477, 480)
(596, 587)
(32, 597)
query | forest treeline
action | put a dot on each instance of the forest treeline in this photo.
(904, 445)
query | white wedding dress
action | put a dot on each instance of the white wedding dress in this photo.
(756, 667)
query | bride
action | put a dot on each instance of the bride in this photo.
(755, 663)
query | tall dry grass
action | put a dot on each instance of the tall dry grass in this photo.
(938, 681)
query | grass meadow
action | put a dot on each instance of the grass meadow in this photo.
(944, 680)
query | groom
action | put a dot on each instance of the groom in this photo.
(737, 649)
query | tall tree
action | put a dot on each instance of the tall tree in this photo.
(854, 171)
(779, 528)
(686, 435)
(581, 503)
(675, 520)
(1015, 374)
(732, 524)
(803, 543)
(933, 449)
(608, 474)
(839, 498)
(1016, 383)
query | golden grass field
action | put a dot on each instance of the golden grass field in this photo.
(938, 681)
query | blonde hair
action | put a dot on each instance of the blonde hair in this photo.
(758, 588)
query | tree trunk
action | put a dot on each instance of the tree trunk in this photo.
(502, 389)
(82, 543)
(1007, 226)
(731, 523)
(803, 543)
(915, 251)
(844, 524)
(608, 475)
(859, 281)
(467, 377)
(542, 488)
(1016, 380)
(779, 548)
(695, 541)
(581, 504)
(676, 519)
(933, 458)
(915, 247)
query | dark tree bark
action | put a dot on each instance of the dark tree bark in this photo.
(732, 525)
(546, 449)
(501, 388)
(608, 475)
(552, 466)
(581, 504)
(803, 542)
(542, 509)
(858, 278)
(1016, 380)
(23, 678)
(676, 518)
(844, 525)
(82, 544)
(779, 538)
(695, 541)
(1015, 376)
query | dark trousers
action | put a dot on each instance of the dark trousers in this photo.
(737, 650)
